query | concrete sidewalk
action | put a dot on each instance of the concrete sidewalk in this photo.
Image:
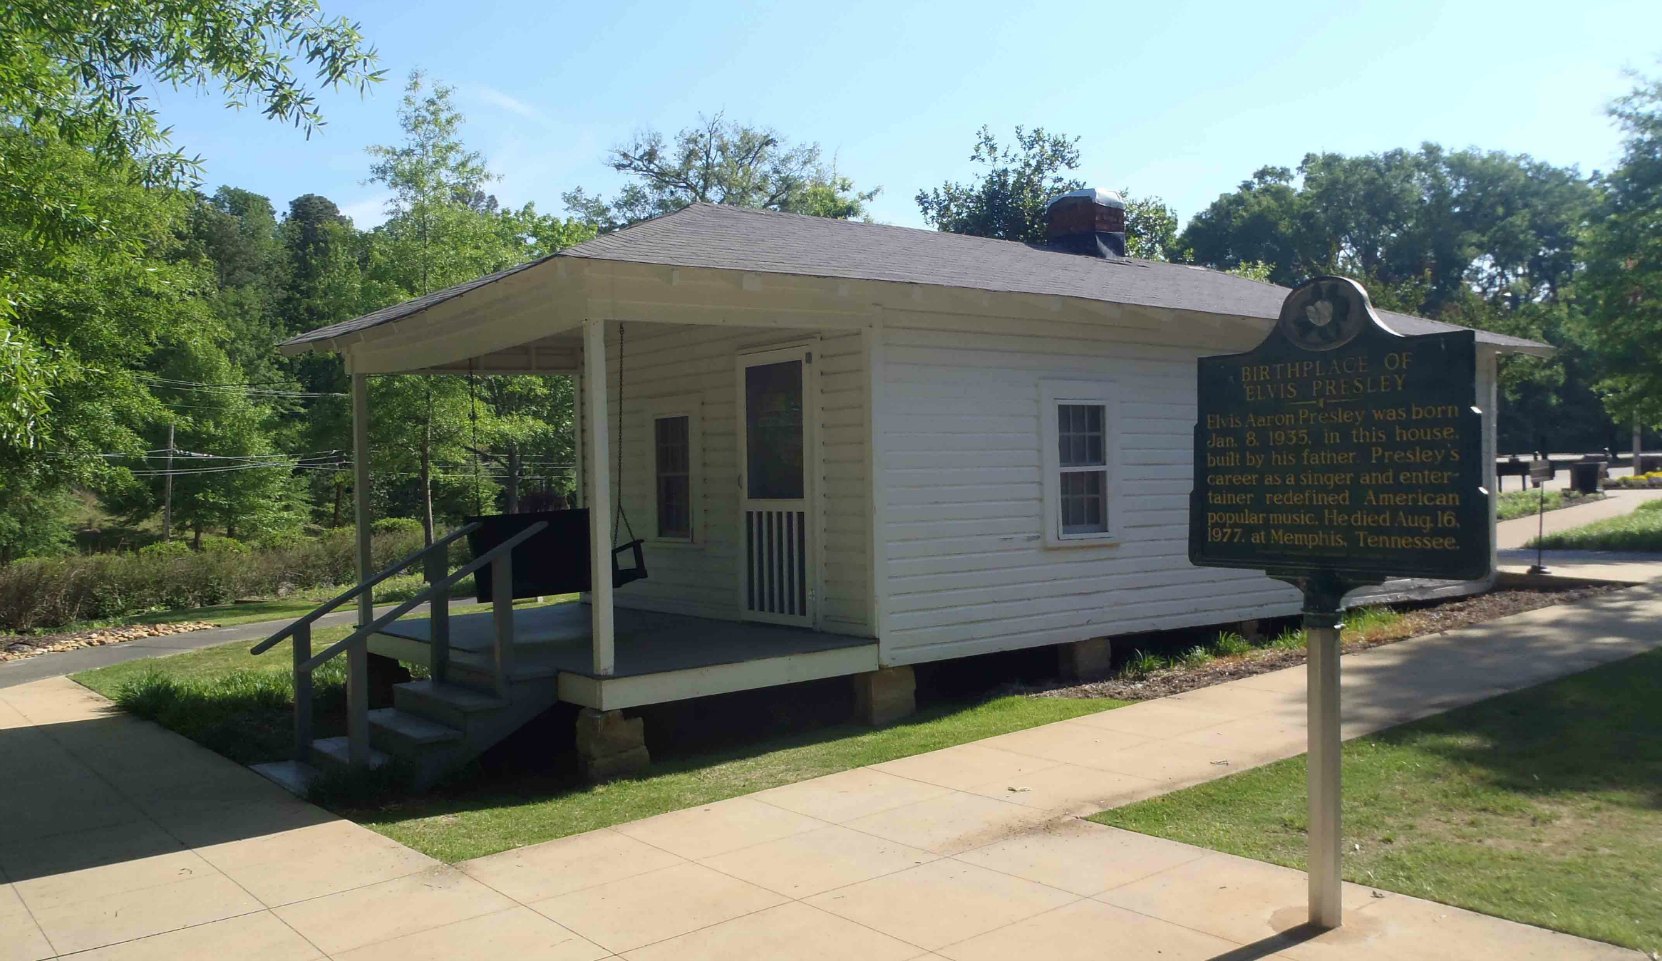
(129, 842)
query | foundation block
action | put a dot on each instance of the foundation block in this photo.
(609, 745)
(1085, 660)
(885, 696)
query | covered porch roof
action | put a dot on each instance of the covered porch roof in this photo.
(714, 264)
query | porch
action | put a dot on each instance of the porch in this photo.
(657, 657)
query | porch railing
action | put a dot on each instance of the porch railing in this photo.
(440, 580)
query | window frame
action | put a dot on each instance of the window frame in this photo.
(688, 406)
(1053, 395)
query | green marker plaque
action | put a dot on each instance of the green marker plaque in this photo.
(1342, 449)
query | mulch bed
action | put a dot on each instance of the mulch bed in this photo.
(20, 646)
(1417, 621)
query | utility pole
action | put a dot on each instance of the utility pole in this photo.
(167, 489)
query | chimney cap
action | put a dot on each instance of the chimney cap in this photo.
(1105, 198)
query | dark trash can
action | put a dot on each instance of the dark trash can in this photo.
(1586, 478)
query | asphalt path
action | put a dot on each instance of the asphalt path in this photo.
(59, 663)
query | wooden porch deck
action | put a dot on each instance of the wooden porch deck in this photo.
(658, 657)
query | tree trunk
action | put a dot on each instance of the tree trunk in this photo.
(1638, 446)
(340, 491)
(196, 537)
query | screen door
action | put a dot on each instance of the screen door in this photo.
(777, 583)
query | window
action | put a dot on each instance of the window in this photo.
(1078, 450)
(1081, 454)
(672, 459)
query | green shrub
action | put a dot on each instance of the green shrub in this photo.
(1291, 639)
(1230, 642)
(43, 593)
(166, 549)
(395, 525)
(1143, 663)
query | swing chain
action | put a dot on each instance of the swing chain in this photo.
(620, 515)
(473, 428)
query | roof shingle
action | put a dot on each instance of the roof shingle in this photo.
(734, 238)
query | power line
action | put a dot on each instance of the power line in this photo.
(251, 389)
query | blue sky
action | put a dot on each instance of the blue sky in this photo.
(1179, 99)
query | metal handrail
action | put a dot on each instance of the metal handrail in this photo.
(356, 644)
(362, 586)
(432, 588)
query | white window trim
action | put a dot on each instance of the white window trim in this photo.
(690, 407)
(1051, 394)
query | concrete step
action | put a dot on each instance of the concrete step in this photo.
(478, 672)
(448, 704)
(336, 751)
(401, 732)
(295, 777)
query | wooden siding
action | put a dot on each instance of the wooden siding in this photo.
(963, 564)
(665, 362)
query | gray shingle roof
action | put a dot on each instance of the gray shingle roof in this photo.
(734, 238)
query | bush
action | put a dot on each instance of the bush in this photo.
(395, 525)
(45, 593)
(1230, 642)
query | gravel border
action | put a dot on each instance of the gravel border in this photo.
(1418, 620)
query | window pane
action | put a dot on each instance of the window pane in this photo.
(1084, 502)
(773, 430)
(1081, 438)
(671, 436)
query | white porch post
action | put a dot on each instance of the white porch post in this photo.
(360, 490)
(598, 491)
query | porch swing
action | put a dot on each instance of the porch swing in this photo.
(555, 560)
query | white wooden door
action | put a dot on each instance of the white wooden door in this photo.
(776, 514)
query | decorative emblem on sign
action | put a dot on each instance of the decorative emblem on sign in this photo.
(1325, 314)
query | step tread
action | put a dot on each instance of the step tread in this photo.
(463, 699)
(338, 750)
(521, 672)
(296, 777)
(412, 727)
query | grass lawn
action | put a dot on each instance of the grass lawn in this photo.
(1638, 531)
(1511, 505)
(239, 706)
(1542, 806)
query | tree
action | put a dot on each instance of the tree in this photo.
(233, 478)
(77, 68)
(1007, 202)
(444, 229)
(1477, 238)
(235, 232)
(1623, 282)
(323, 261)
(73, 75)
(719, 161)
(90, 311)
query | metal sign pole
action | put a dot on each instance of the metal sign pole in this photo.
(1323, 619)
(1321, 629)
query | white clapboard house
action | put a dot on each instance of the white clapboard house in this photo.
(843, 448)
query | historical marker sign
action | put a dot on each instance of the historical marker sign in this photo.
(1342, 448)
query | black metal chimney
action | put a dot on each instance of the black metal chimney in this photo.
(1088, 221)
